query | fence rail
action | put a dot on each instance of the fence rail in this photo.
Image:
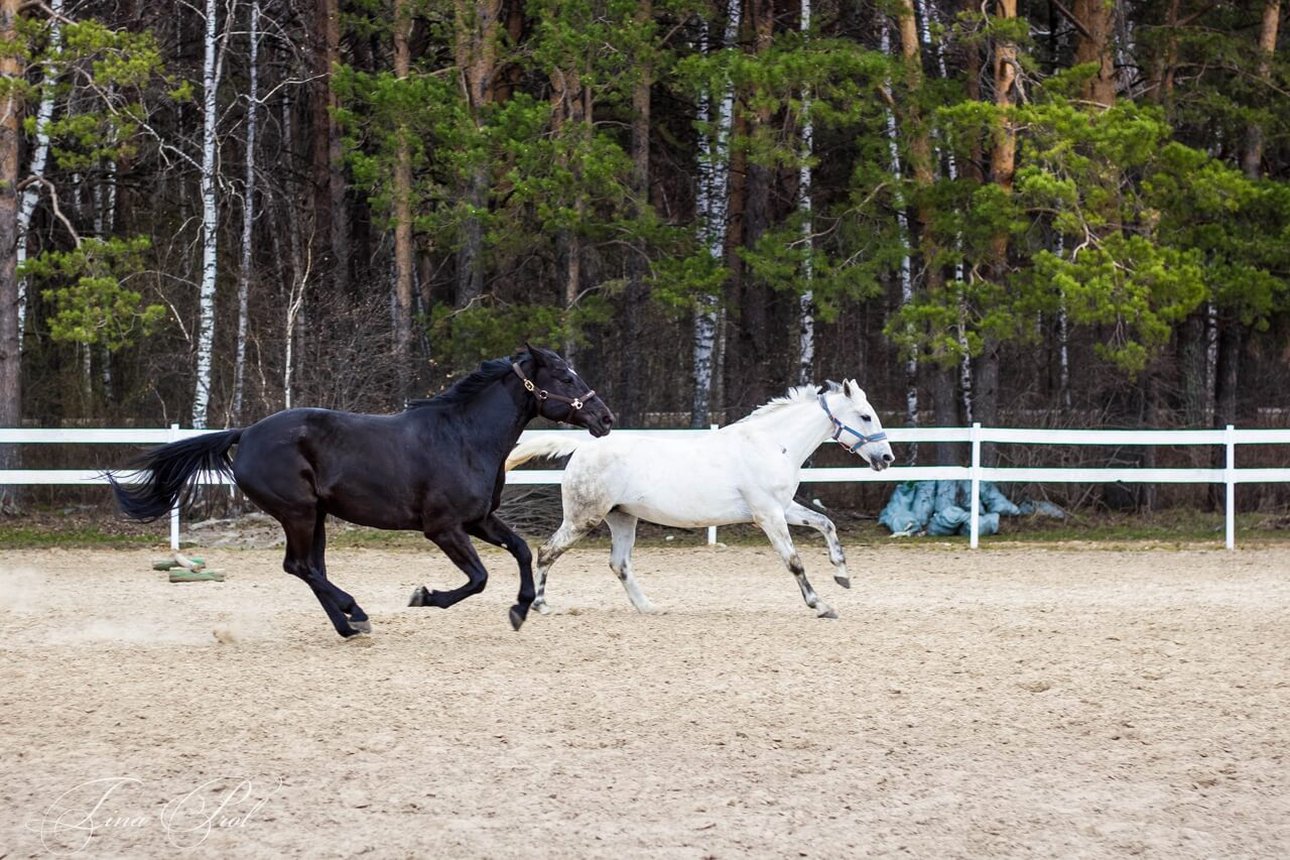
(975, 436)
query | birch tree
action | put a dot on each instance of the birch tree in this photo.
(248, 212)
(806, 301)
(205, 332)
(716, 114)
(39, 152)
(904, 273)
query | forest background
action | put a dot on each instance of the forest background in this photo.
(1043, 214)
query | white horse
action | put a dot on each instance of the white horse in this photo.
(745, 472)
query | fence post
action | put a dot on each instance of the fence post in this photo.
(712, 530)
(1229, 482)
(174, 512)
(975, 504)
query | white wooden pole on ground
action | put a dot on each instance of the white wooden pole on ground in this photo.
(1229, 482)
(174, 512)
(712, 530)
(975, 527)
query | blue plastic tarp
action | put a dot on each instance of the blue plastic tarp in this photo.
(943, 508)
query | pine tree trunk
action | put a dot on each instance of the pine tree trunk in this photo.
(205, 333)
(754, 335)
(1094, 28)
(403, 251)
(1161, 87)
(569, 115)
(336, 185)
(984, 404)
(920, 162)
(1252, 158)
(630, 391)
(320, 122)
(474, 46)
(11, 72)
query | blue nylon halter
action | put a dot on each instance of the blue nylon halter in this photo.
(838, 427)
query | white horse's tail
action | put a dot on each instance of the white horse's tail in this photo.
(544, 446)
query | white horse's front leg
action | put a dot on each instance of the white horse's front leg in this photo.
(800, 515)
(623, 529)
(775, 526)
(565, 536)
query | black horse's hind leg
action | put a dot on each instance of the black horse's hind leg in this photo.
(500, 534)
(299, 563)
(455, 544)
(318, 561)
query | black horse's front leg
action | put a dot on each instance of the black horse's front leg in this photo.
(498, 533)
(455, 544)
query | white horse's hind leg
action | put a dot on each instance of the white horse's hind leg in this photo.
(623, 528)
(566, 536)
(775, 525)
(800, 515)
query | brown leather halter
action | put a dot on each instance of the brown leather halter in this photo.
(576, 403)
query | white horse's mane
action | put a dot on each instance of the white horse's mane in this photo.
(796, 395)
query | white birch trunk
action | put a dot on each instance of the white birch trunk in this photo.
(902, 227)
(806, 302)
(248, 217)
(1211, 362)
(1063, 341)
(39, 154)
(104, 195)
(712, 205)
(205, 334)
(300, 264)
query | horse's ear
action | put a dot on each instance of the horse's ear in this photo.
(847, 386)
(533, 352)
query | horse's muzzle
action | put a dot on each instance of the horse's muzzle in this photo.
(601, 426)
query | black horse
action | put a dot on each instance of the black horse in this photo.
(436, 468)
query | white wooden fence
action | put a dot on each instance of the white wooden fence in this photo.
(1229, 476)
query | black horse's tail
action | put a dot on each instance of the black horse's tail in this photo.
(164, 475)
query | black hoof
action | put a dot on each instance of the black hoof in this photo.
(517, 617)
(420, 597)
(363, 626)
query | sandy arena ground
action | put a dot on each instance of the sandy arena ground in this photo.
(1055, 702)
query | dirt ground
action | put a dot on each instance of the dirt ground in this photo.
(1041, 702)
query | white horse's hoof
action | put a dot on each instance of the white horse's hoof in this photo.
(826, 612)
(844, 581)
(542, 608)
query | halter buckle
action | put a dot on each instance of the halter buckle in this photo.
(529, 386)
(575, 403)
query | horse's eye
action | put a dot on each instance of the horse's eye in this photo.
(866, 417)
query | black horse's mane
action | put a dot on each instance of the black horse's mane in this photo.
(466, 388)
